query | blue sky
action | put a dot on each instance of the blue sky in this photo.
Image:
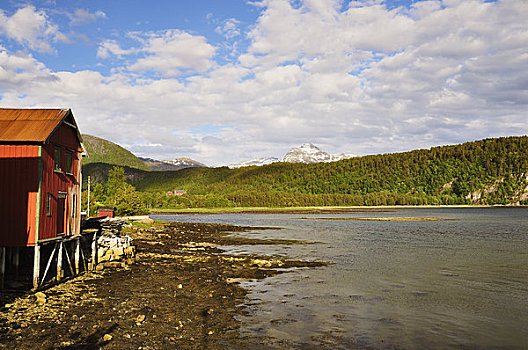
(226, 81)
(89, 22)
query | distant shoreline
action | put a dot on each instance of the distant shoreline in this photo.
(316, 210)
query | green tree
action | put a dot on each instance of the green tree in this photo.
(122, 195)
(98, 193)
(116, 181)
(128, 201)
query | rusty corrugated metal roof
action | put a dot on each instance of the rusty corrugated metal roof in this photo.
(29, 125)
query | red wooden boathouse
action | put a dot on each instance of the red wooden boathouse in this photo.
(40, 177)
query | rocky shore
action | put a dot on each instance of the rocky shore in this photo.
(181, 292)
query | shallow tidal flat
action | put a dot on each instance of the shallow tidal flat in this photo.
(182, 292)
(377, 219)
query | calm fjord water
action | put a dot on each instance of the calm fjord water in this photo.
(462, 282)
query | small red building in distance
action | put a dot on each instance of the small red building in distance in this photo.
(40, 176)
(175, 193)
(105, 211)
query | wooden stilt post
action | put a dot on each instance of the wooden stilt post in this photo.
(68, 259)
(16, 260)
(59, 262)
(36, 267)
(94, 251)
(8, 257)
(84, 260)
(49, 263)
(77, 254)
(2, 266)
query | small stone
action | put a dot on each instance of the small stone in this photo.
(180, 286)
(107, 337)
(40, 298)
(210, 332)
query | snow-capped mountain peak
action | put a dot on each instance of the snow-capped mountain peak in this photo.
(183, 162)
(257, 162)
(306, 153)
(309, 148)
(176, 164)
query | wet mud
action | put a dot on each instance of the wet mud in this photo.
(182, 292)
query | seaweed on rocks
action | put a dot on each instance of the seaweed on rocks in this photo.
(182, 292)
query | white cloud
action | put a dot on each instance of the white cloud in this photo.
(20, 72)
(229, 28)
(82, 16)
(111, 47)
(168, 53)
(31, 28)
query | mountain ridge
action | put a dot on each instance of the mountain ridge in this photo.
(490, 171)
(175, 164)
(307, 153)
(103, 151)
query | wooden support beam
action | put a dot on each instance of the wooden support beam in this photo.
(94, 251)
(36, 267)
(77, 255)
(8, 257)
(16, 260)
(2, 266)
(48, 264)
(69, 261)
(83, 258)
(59, 261)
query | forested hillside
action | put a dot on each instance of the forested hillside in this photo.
(490, 171)
(106, 152)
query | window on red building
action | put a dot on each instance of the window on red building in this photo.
(69, 162)
(57, 158)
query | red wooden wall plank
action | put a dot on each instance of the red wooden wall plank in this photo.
(18, 178)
